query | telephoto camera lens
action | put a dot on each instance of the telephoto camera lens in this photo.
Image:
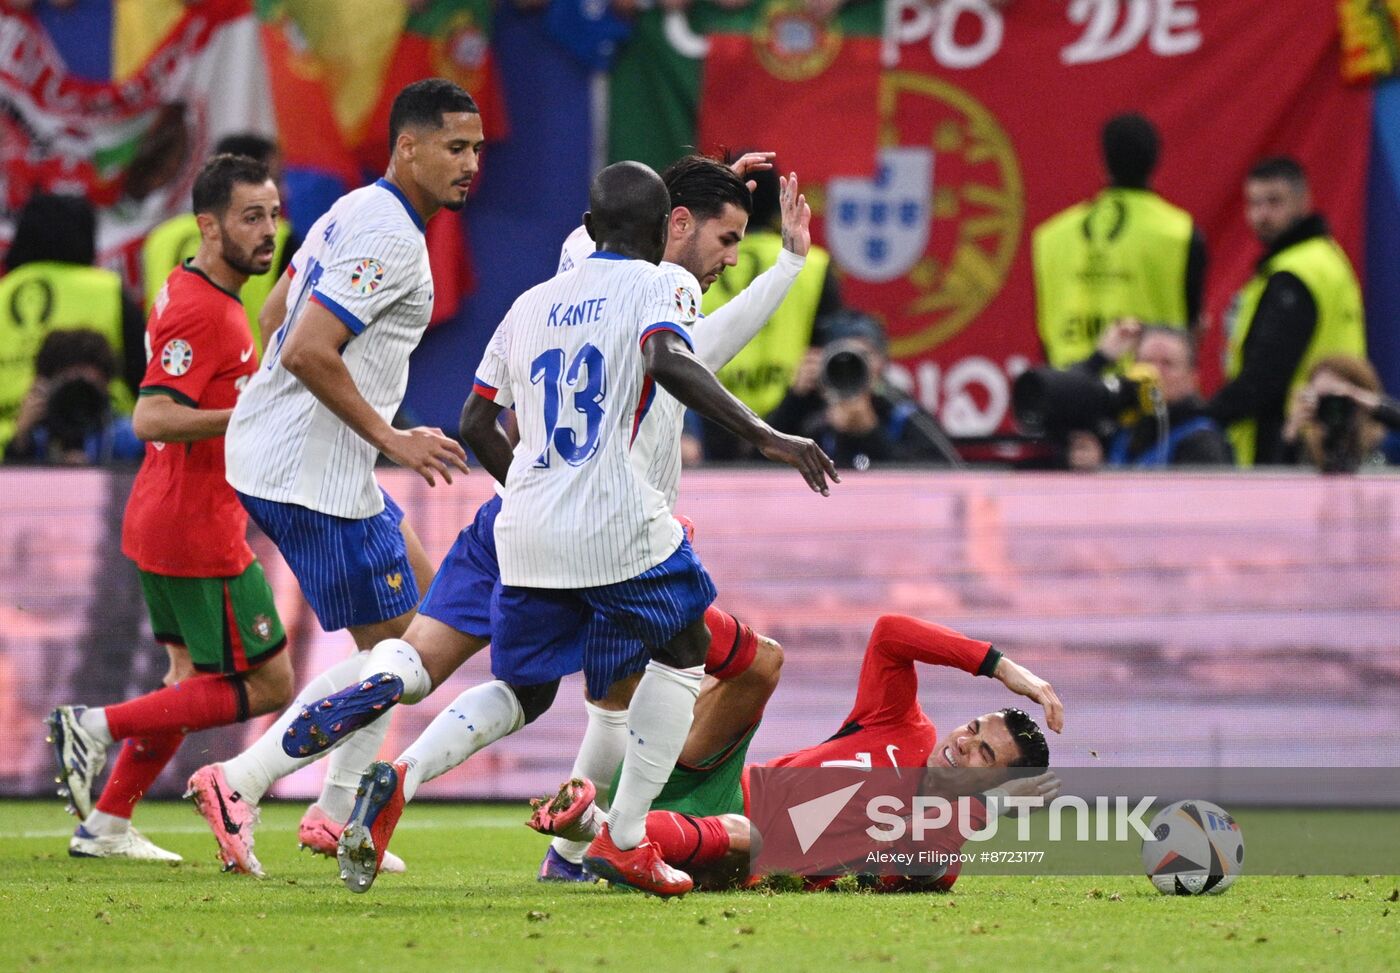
(845, 370)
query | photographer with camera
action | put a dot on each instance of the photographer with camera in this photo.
(1149, 416)
(66, 417)
(839, 397)
(1336, 421)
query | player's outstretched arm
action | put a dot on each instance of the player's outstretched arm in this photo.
(671, 363)
(1023, 682)
(312, 354)
(725, 332)
(160, 419)
(482, 432)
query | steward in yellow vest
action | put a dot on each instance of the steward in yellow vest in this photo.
(760, 374)
(1302, 304)
(1125, 253)
(52, 285)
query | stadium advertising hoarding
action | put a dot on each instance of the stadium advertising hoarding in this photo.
(1189, 621)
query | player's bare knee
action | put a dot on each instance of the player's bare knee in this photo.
(180, 667)
(768, 660)
(739, 830)
(619, 694)
(271, 686)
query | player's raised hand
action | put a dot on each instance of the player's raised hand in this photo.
(804, 456)
(1023, 682)
(797, 216)
(427, 452)
(752, 162)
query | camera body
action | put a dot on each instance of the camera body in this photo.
(1341, 434)
(1046, 400)
(77, 408)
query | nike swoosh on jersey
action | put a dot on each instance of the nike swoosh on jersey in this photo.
(890, 751)
(244, 356)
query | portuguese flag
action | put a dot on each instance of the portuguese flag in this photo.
(765, 77)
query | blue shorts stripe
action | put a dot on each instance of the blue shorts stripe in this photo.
(542, 634)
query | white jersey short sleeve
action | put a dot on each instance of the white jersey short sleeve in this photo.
(577, 248)
(492, 380)
(578, 510)
(366, 262)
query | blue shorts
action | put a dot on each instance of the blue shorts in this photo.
(543, 633)
(460, 595)
(353, 572)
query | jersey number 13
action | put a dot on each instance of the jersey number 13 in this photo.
(587, 377)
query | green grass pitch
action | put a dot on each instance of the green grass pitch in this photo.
(470, 902)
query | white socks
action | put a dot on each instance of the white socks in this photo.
(99, 824)
(600, 753)
(253, 771)
(347, 764)
(94, 721)
(478, 717)
(658, 723)
(402, 659)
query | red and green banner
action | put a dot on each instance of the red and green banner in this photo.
(132, 144)
(985, 123)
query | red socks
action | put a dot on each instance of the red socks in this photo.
(189, 705)
(138, 765)
(687, 842)
(733, 645)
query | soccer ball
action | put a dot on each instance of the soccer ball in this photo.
(1196, 847)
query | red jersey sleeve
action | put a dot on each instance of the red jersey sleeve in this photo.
(185, 349)
(889, 686)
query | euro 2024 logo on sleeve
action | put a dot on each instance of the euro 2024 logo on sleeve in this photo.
(944, 212)
(176, 357)
(367, 276)
(685, 304)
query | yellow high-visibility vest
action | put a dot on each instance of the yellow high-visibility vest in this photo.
(1324, 269)
(1121, 254)
(759, 376)
(44, 296)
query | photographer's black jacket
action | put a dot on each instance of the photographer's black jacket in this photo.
(1278, 338)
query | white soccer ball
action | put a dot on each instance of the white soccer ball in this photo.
(1196, 848)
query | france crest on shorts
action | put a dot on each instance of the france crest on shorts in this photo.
(878, 228)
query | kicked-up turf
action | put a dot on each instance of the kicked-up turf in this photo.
(470, 902)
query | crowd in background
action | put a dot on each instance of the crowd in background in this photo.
(1119, 282)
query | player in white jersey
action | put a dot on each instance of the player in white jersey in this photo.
(710, 205)
(582, 532)
(302, 444)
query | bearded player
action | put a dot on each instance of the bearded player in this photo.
(700, 821)
(209, 603)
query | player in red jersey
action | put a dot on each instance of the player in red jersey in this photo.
(209, 604)
(700, 822)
